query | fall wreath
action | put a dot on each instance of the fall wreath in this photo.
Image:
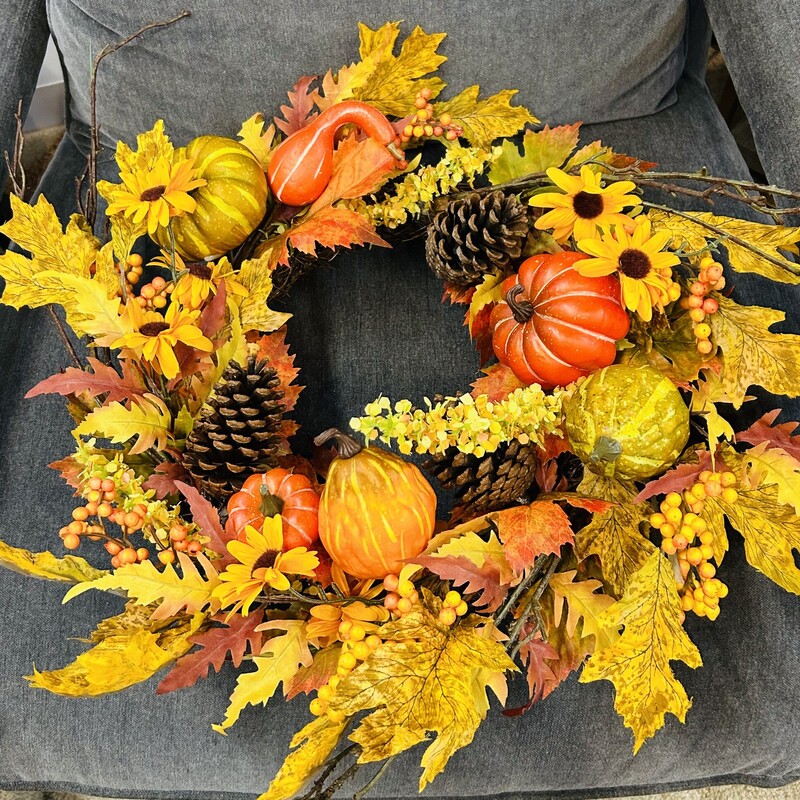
(595, 475)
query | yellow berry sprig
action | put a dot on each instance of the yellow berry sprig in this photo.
(699, 306)
(426, 125)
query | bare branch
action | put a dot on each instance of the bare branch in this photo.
(16, 170)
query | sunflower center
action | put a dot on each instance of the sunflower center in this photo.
(266, 560)
(153, 328)
(199, 269)
(587, 205)
(152, 194)
(634, 263)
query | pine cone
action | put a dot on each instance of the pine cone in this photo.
(236, 433)
(498, 480)
(476, 235)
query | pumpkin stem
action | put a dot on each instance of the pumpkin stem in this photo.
(346, 446)
(521, 309)
(606, 450)
(270, 504)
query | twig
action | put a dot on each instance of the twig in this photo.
(532, 603)
(365, 789)
(65, 337)
(14, 165)
(523, 585)
(94, 130)
(318, 790)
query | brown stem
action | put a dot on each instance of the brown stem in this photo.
(65, 337)
(270, 504)
(522, 309)
(94, 130)
(14, 164)
(346, 446)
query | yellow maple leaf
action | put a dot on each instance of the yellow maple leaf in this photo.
(391, 82)
(583, 603)
(773, 466)
(421, 680)
(549, 147)
(751, 354)
(258, 141)
(314, 743)
(638, 663)
(256, 276)
(145, 585)
(485, 120)
(708, 392)
(89, 308)
(750, 245)
(614, 535)
(71, 569)
(715, 523)
(278, 662)
(151, 147)
(479, 551)
(489, 290)
(129, 650)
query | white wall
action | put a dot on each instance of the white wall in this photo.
(47, 107)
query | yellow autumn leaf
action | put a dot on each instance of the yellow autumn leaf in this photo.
(714, 518)
(740, 237)
(314, 743)
(708, 392)
(549, 147)
(638, 663)
(90, 310)
(146, 585)
(751, 354)
(421, 681)
(147, 420)
(106, 272)
(614, 536)
(489, 290)
(772, 466)
(256, 276)
(128, 651)
(583, 603)
(480, 552)
(258, 141)
(278, 662)
(485, 120)
(71, 569)
(390, 82)
(151, 147)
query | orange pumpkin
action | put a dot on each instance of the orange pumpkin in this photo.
(278, 491)
(555, 325)
(376, 510)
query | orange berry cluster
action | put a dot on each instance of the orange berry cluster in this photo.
(358, 643)
(686, 536)
(425, 123)
(133, 271)
(401, 597)
(700, 306)
(454, 607)
(154, 295)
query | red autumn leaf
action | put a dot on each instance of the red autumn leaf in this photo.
(275, 350)
(309, 679)
(207, 519)
(101, 380)
(535, 655)
(359, 168)
(215, 644)
(782, 435)
(69, 469)
(497, 383)
(302, 466)
(212, 318)
(621, 161)
(458, 295)
(463, 572)
(531, 531)
(481, 332)
(300, 111)
(678, 478)
(162, 480)
(546, 475)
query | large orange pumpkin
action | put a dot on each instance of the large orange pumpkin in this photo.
(229, 207)
(278, 491)
(376, 511)
(555, 325)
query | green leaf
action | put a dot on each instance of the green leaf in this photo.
(549, 147)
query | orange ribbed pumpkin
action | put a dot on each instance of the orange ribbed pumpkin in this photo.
(276, 492)
(376, 511)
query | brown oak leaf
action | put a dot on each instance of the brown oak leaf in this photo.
(300, 111)
(497, 383)
(103, 379)
(781, 435)
(207, 518)
(274, 348)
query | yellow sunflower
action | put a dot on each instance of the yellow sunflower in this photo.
(153, 337)
(645, 272)
(585, 205)
(156, 194)
(325, 619)
(261, 564)
(200, 279)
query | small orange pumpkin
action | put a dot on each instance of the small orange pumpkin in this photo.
(376, 511)
(278, 491)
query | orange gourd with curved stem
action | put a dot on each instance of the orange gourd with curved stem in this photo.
(276, 492)
(301, 167)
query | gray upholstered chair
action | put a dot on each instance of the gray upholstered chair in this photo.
(633, 71)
